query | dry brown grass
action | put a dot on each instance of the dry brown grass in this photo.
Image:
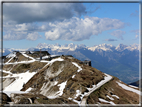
(7, 59)
(4, 74)
(110, 88)
(60, 100)
(35, 78)
(8, 67)
(20, 58)
(32, 67)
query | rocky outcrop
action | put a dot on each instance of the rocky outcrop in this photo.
(5, 98)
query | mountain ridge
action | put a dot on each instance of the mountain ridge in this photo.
(60, 79)
(118, 61)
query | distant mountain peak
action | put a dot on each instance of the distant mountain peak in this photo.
(122, 47)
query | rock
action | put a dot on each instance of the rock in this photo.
(5, 98)
(24, 101)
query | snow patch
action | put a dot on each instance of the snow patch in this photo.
(56, 82)
(79, 68)
(74, 100)
(13, 54)
(78, 92)
(128, 88)
(62, 86)
(73, 76)
(29, 89)
(115, 96)
(106, 78)
(133, 86)
(27, 56)
(102, 100)
(9, 92)
(21, 79)
(110, 97)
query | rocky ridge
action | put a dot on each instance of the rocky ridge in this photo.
(59, 79)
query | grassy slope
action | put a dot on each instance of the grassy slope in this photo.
(112, 88)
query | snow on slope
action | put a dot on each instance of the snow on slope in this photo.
(27, 56)
(128, 88)
(61, 89)
(21, 79)
(115, 96)
(82, 96)
(79, 68)
(102, 100)
(5, 72)
(9, 92)
(133, 86)
(13, 54)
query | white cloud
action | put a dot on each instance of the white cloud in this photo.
(118, 34)
(14, 35)
(76, 29)
(33, 36)
(21, 35)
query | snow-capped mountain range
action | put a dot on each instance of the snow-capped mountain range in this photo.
(119, 61)
(73, 47)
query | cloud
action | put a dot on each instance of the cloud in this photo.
(136, 33)
(136, 13)
(92, 8)
(41, 12)
(33, 36)
(110, 39)
(76, 29)
(21, 35)
(118, 34)
(10, 35)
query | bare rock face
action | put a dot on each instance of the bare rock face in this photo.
(27, 98)
(5, 98)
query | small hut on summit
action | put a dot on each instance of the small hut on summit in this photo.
(86, 62)
(28, 52)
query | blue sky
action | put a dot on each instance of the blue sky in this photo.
(28, 24)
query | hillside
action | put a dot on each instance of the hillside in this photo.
(118, 60)
(40, 78)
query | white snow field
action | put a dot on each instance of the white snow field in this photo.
(21, 79)
(128, 88)
(61, 89)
